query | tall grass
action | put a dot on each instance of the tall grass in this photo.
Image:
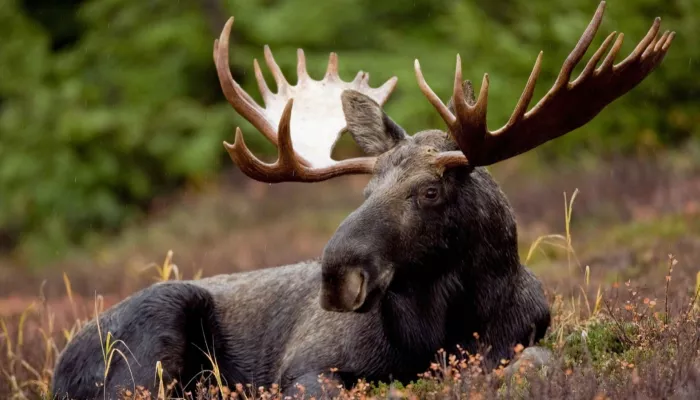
(618, 343)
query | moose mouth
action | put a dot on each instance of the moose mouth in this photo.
(360, 288)
(373, 293)
(346, 293)
(356, 291)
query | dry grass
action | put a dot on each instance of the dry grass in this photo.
(621, 344)
(625, 313)
(622, 340)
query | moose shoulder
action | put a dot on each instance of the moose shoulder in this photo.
(429, 259)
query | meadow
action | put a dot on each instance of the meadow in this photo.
(617, 252)
(113, 177)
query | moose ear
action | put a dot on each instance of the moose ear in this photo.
(369, 125)
(468, 95)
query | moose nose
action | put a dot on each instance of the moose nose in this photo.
(350, 262)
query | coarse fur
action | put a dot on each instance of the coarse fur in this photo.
(429, 259)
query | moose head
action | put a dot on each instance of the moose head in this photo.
(429, 200)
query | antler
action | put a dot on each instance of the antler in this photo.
(304, 138)
(566, 107)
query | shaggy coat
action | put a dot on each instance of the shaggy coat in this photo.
(429, 259)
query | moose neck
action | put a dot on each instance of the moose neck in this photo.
(462, 279)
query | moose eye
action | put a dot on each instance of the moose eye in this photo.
(430, 195)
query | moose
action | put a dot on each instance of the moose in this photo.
(428, 261)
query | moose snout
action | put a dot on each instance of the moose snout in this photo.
(344, 291)
(354, 263)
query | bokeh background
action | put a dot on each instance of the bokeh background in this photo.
(107, 107)
(112, 122)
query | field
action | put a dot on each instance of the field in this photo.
(113, 177)
(616, 243)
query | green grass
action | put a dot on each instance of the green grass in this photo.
(638, 235)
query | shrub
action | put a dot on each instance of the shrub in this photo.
(107, 104)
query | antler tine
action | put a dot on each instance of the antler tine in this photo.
(332, 70)
(280, 80)
(364, 82)
(643, 44)
(265, 91)
(661, 41)
(236, 96)
(463, 110)
(669, 39)
(244, 158)
(288, 162)
(526, 96)
(609, 61)
(650, 48)
(590, 66)
(580, 49)
(466, 113)
(459, 101)
(383, 92)
(564, 108)
(359, 77)
(472, 114)
(302, 73)
(287, 159)
(440, 107)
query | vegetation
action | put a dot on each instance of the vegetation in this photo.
(111, 122)
(106, 106)
(627, 338)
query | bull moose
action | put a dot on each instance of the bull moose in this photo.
(427, 260)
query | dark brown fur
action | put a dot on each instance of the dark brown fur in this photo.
(429, 259)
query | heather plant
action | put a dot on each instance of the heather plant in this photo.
(629, 340)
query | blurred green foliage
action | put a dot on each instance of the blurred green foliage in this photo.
(107, 104)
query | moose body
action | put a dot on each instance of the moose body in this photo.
(429, 261)
(268, 326)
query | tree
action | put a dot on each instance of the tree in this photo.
(107, 104)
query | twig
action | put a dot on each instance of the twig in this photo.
(671, 262)
(618, 324)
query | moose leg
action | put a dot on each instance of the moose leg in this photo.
(171, 322)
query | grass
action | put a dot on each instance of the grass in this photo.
(625, 314)
(633, 346)
(618, 342)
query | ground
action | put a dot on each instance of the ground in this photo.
(620, 271)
